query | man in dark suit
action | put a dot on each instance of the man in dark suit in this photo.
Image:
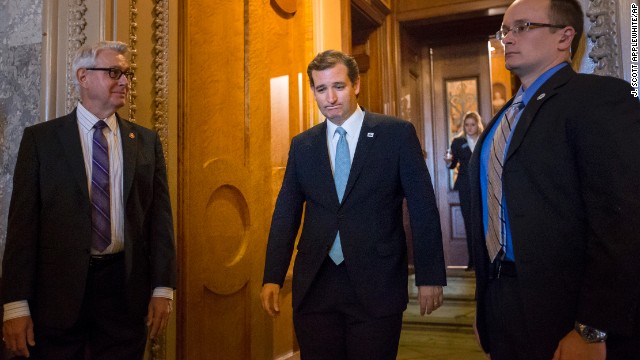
(89, 247)
(350, 273)
(555, 201)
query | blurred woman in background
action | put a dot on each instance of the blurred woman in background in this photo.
(459, 155)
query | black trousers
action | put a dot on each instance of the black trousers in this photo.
(506, 322)
(104, 329)
(465, 206)
(510, 339)
(331, 324)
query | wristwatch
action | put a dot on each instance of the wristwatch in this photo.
(589, 334)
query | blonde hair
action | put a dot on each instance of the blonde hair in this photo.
(474, 115)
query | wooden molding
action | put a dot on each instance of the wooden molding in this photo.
(425, 12)
(288, 6)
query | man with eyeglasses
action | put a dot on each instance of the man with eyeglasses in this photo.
(89, 264)
(556, 210)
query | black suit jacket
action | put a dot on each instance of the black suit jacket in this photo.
(47, 253)
(570, 181)
(387, 167)
(461, 154)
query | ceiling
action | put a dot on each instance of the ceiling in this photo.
(456, 28)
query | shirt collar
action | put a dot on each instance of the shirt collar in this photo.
(529, 92)
(87, 120)
(352, 125)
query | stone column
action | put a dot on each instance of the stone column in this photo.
(20, 71)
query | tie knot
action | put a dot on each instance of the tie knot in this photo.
(340, 130)
(100, 124)
(517, 102)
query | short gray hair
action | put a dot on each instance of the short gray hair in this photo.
(85, 57)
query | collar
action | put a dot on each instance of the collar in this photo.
(529, 92)
(352, 125)
(87, 120)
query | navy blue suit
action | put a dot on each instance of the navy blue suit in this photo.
(462, 154)
(387, 167)
(570, 180)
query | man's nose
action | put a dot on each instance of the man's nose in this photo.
(123, 80)
(331, 96)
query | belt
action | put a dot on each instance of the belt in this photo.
(504, 269)
(105, 259)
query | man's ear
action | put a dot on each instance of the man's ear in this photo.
(566, 38)
(81, 75)
(356, 86)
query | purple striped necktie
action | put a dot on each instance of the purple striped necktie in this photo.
(100, 191)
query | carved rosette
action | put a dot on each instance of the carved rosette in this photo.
(161, 72)
(77, 38)
(606, 41)
(133, 41)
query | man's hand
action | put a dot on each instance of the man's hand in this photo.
(158, 315)
(572, 346)
(430, 298)
(270, 296)
(17, 334)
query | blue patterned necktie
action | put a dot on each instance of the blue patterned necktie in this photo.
(342, 166)
(100, 191)
(496, 232)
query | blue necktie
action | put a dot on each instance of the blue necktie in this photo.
(100, 192)
(342, 166)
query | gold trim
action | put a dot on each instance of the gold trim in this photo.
(133, 41)
(161, 72)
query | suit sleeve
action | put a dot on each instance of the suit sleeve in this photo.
(606, 143)
(20, 256)
(162, 248)
(455, 151)
(284, 224)
(423, 212)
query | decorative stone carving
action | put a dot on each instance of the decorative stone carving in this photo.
(158, 346)
(133, 41)
(161, 72)
(77, 38)
(603, 32)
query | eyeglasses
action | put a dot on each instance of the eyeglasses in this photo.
(115, 73)
(520, 27)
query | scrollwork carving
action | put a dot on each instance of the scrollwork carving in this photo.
(161, 72)
(77, 23)
(133, 41)
(157, 349)
(603, 32)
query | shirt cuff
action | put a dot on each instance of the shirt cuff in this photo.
(163, 292)
(16, 309)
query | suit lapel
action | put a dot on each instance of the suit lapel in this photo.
(548, 90)
(365, 140)
(129, 154)
(69, 136)
(319, 160)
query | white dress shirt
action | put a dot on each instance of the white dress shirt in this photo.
(352, 126)
(86, 121)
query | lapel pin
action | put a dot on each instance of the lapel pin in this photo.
(132, 135)
(369, 134)
(541, 96)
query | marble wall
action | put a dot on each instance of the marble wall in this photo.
(20, 54)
